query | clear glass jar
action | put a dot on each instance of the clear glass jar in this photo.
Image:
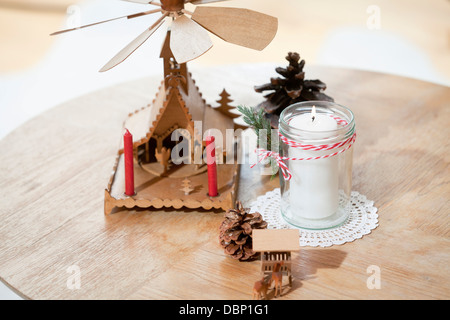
(316, 139)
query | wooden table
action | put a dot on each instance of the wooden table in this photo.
(55, 167)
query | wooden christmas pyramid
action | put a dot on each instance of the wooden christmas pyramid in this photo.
(177, 105)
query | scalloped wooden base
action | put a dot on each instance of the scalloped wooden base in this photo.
(164, 191)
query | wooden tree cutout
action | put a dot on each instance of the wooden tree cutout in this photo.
(224, 105)
(187, 188)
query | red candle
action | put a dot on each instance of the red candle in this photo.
(129, 165)
(212, 170)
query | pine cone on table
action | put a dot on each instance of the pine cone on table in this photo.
(289, 89)
(236, 232)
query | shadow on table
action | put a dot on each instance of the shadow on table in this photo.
(306, 263)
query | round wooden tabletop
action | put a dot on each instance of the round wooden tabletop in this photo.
(56, 243)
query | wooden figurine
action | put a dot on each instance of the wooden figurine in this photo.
(260, 288)
(163, 157)
(179, 105)
(277, 278)
(275, 247)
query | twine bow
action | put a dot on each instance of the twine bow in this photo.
(264, 154)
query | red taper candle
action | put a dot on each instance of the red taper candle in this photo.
(212, 169)
(129, 165)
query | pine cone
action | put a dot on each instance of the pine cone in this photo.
(292, 88)
(236, 232)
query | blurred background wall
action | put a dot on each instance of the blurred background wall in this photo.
(405, 37)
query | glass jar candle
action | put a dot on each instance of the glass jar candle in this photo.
(316, 139)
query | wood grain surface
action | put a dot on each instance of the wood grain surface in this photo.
(54, 170)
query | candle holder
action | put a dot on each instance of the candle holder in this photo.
(316, 139)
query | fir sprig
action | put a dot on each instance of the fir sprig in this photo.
(257, 120)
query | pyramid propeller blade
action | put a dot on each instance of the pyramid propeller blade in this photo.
(243, 27)
(197, 2)
(188, 40)
(140, 1)
(133, 45)
(131, 16)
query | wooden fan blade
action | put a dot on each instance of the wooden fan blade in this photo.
(133, 45)
(243, 27)
(153, 2)
(188, 40)
(139, 1)
(131, 16)
(197, 2)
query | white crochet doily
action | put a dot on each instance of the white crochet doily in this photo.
(362, 220)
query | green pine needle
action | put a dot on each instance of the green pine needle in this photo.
(257, 121)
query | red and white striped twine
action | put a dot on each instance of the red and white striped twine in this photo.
(264, 154)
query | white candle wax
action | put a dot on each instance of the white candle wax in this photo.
(314, 183)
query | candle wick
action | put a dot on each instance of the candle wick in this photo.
(313, 118)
